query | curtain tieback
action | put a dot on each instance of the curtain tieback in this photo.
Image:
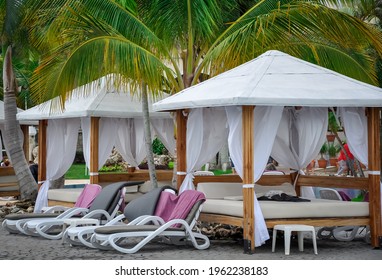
(372, 172)
(248, 186)
(93, 173)
(41, 182)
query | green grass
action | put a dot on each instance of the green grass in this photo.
(221, 172)
(76, 171)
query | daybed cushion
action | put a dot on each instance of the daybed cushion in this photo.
(233, 191)
(224, 199)
(316, 208)
(67, 195)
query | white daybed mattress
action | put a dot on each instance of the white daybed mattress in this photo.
(226, 199)
(316, 208)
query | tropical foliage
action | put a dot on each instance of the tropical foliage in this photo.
(170, 45)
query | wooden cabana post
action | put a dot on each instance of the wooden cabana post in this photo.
(248, 179)
(42, 126)
(94, 142)
(374, 167)
(181, 143)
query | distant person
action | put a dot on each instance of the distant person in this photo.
(5, 163)
(343, 164)
(33, 167)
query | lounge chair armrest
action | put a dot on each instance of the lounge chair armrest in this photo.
(98, 212)
(177, 221)
(116, 220)
(156, 220)
(138, 219)
(72, 212)
(52, 209)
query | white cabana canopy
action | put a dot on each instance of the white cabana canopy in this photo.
(107, 117)
(274, 105)
(276, 79)
(103, 101)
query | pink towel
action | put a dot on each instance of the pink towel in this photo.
(88, 194)
(171, 206)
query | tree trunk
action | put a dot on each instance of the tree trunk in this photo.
(148, 139)
(12, 136)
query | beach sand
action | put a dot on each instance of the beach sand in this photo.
(21, 247)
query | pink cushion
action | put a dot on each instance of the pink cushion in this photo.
(171, 206)
(88, 194)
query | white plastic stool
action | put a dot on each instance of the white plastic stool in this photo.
(301, 230)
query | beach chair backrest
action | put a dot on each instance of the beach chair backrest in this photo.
(145, 204)
(87, 196)
(110, 196)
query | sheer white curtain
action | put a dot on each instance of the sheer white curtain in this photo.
(164, 130)
(107, 136)
(61, 144)
(206, 133)
(266, 122)
(130, 140)
(355, 124)
(299, 139)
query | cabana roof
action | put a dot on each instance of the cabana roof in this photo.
(276, 79)
(102, 101)
(18, 110)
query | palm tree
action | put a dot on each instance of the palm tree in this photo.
(170, 45)
(9, 27)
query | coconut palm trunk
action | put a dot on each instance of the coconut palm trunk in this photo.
(12, 136)
(148, 139)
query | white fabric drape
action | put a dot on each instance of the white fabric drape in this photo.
(355, 124)
(300, 136)
(130, 140)
(206, 133)
(107, 135)
(164, 130)
(61, 144)
(264, 135)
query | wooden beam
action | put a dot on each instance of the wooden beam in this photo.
(94, 142)
(138, 175)
(374, 176)
(42, 126)
(181, 146)
(248, 179)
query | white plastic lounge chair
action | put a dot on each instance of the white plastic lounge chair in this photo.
(170, 227)
(103, 208)
(14, 222)
(140, 207)
(342, 233)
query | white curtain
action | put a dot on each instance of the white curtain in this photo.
(107, 135)
(130, 140)
(206, 133)
(355, 124)
(266, 123)
(300, 136)
(164, 130)
(61, 144)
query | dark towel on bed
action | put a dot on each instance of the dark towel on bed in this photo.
(283, 197)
